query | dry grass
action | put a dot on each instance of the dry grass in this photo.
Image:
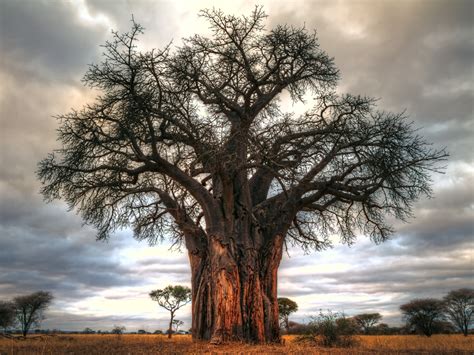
(182, 344)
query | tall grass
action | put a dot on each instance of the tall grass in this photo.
(183, 344)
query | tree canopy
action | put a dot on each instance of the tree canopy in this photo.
(367, 320)
(423, 314)
(154, 150)
(285, 308)
(172, 298)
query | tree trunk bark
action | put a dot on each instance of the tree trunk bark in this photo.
(170, 328)
(235, 292)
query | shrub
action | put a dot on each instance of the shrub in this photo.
(331, 329)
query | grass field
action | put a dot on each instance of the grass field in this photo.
(183, 344)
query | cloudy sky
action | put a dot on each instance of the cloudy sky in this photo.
(415, 55)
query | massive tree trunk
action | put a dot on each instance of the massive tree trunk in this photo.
(234, 272)
(235, 292)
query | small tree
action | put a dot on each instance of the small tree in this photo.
(285, 308)
(423, 314)
(118, 329)
(172, 298)
(367, 321)
(7, 315)
(381, 329)
(29, 309)
(177, 323)
(459, 308)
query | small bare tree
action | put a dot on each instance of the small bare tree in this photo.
(29, 309)
(118, 329)
(177, 323)
(88, 330)
(172, 298)
(459, 307)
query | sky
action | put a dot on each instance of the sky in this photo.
(414, 55)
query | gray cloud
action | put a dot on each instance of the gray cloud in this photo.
(70, 265)
(416, 55)
(47, 40)
(373, 278)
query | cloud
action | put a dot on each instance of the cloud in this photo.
(369, 278)
(71, 264)
(49, 43)
(413, 55)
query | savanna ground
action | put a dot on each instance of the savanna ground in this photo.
(183, 344)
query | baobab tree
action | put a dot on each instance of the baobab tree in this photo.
(190, 143)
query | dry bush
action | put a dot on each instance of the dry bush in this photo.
(330, 330)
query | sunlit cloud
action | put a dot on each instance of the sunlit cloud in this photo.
(85, 16)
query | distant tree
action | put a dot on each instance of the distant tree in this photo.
(444, 327)
(381, 329)
(29, 309)
(423, 314)
(88, 331)
(459, 308)
(346, 325)
(7, 314)
(285, 308)
(194, 143)
(118, 329)
(299, 328)
(172, 298)
(177, 323)
(367, 321)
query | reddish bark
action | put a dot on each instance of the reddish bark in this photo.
(235, 298)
